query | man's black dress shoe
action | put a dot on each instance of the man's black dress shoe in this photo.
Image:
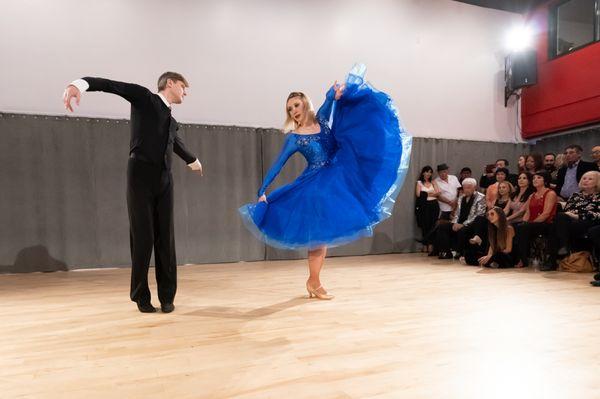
(146, 307)
(445, 255)
(167, 307)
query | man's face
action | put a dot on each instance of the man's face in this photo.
(572, 155)
(549, 161)
(596, 153)
(176, 91)
(500, 164)
(443, 174)
(468, 189)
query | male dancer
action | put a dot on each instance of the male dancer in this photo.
(149, 179)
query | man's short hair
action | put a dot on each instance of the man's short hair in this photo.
(504, 160)
(549, 153)
(502, 170)
(174, 76)
(575, 147)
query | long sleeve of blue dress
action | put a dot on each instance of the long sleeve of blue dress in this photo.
(289, 148)
(325, 113)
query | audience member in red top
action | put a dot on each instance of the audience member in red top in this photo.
(539, 214)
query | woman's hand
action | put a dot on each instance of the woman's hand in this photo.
(339, 90)
(572, 215)
(484, 260)
(262, 198)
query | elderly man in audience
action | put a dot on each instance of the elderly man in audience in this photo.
(581, 213)
(567, 180)
(468, 221)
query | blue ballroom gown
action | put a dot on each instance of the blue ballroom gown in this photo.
(355, 168)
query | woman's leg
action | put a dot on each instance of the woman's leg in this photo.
(316, 257)
(315, 264)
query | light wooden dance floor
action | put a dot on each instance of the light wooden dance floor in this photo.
(401, 326)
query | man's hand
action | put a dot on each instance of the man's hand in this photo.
(70, 93)
(262, 198)
(199, 171)
(457, 226)
(196, 167)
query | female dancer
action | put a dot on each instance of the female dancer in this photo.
(357, 155)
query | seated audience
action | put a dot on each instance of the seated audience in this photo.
(581, 213)
(539, 214)
(567, 179)
(505, 190)
(468, 221)
(519, 198)
(521, 163)
(534, 162)
(492, 191)
(596, 156)
(500, 238)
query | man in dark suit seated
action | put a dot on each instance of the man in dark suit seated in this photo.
(567, 180)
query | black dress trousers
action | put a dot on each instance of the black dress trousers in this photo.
(150, 206)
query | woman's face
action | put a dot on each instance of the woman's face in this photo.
(523, 181)
(500, 177)
(538, 181)
(521, 161)
(530, 163)
(427, 174)
(492, 216)
(503, 189)
(588, 182)
(296, 109)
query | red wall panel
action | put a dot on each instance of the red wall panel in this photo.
(567, 94)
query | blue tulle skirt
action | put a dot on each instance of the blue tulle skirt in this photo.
(344, 200)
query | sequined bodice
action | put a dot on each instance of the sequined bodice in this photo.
(318, 148)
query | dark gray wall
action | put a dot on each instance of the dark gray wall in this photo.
(62, 203)
(586, 139)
